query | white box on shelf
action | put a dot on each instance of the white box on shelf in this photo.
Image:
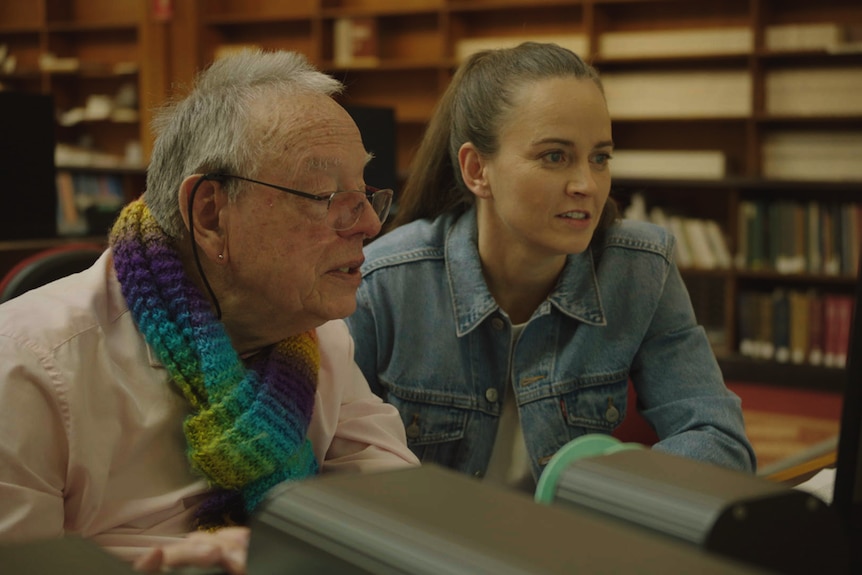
(671, 164)
(689, 42)
(684, 94)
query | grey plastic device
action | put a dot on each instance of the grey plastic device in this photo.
(431, 520)
(727, 512)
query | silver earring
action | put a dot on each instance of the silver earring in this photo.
(221, 256)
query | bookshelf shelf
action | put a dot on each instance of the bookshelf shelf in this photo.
(691, 272)
(243, 19)
(21, 74)
(836, 122)
(22, 29)
(392, 65)
(670, 61)
(88, 27)
(404, 9)
(790, 375)
(480, 6)
(812, 57)
(773, 278)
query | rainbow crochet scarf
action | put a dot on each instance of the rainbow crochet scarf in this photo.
(247, 430)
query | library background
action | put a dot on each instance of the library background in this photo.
(738, 125)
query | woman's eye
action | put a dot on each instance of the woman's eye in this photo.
(555, 157)
(602, 158)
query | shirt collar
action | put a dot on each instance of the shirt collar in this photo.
(576, 294)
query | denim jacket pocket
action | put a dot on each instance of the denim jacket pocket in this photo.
(434, 432)
(596, 404)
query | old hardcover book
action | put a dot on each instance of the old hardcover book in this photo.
(816, 329)
(799, 326)
(781, 325)
(355, 41)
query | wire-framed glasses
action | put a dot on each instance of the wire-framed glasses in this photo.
(343, 209)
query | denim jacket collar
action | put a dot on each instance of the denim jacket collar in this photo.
(576, 294)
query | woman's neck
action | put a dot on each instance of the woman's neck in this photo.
(518, 282)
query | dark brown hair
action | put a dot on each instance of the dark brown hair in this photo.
(472, 109)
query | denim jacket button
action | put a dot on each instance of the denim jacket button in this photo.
(497, 324)
(412, 431)
(612, 415)
(491, 395)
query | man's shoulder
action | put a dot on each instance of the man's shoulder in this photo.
(61, 310)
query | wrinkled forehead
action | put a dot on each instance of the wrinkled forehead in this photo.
(310, 132)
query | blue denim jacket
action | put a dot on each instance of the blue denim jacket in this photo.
(431, 340)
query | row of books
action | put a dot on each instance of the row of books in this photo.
(8, 61)
(678, 94)
(809, 92)
(50, 62)
(790, 236)
(795, 326)
(829, 36)
(700, 243)
(669, 164)
(85, 156)
(87, 203)
(814, 91)
(355, 41)
(121, 107)
(793, 155)
(813, 155)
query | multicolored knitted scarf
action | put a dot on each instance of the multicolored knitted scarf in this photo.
(248, 427)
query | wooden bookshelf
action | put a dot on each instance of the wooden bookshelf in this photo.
(100, 61)
(420, 42)
(78, 49)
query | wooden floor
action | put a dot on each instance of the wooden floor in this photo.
(785, 425)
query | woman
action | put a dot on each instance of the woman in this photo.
(509, 308)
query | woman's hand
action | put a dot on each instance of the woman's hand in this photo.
(226, 548)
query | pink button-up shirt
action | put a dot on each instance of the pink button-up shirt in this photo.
(91, 439)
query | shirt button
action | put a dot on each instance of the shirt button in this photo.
(478, 473)
(612, 415)
(491, 395)
(412, 431)
(497, 323)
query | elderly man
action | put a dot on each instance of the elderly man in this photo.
(202, 360)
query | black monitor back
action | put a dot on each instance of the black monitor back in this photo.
(28, 199)
(377, 126)
(847, 496)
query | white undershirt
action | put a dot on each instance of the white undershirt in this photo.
(510, 464)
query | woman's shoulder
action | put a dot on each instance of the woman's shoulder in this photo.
(639, 235)
(419, 240)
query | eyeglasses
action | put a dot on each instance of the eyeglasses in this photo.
(343, 209)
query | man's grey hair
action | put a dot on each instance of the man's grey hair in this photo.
(220, 126)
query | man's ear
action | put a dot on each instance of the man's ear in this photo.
(472, 166)
(204, 213)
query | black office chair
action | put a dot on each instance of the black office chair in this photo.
(46, 266)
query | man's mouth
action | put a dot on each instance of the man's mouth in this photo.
(350, 268)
